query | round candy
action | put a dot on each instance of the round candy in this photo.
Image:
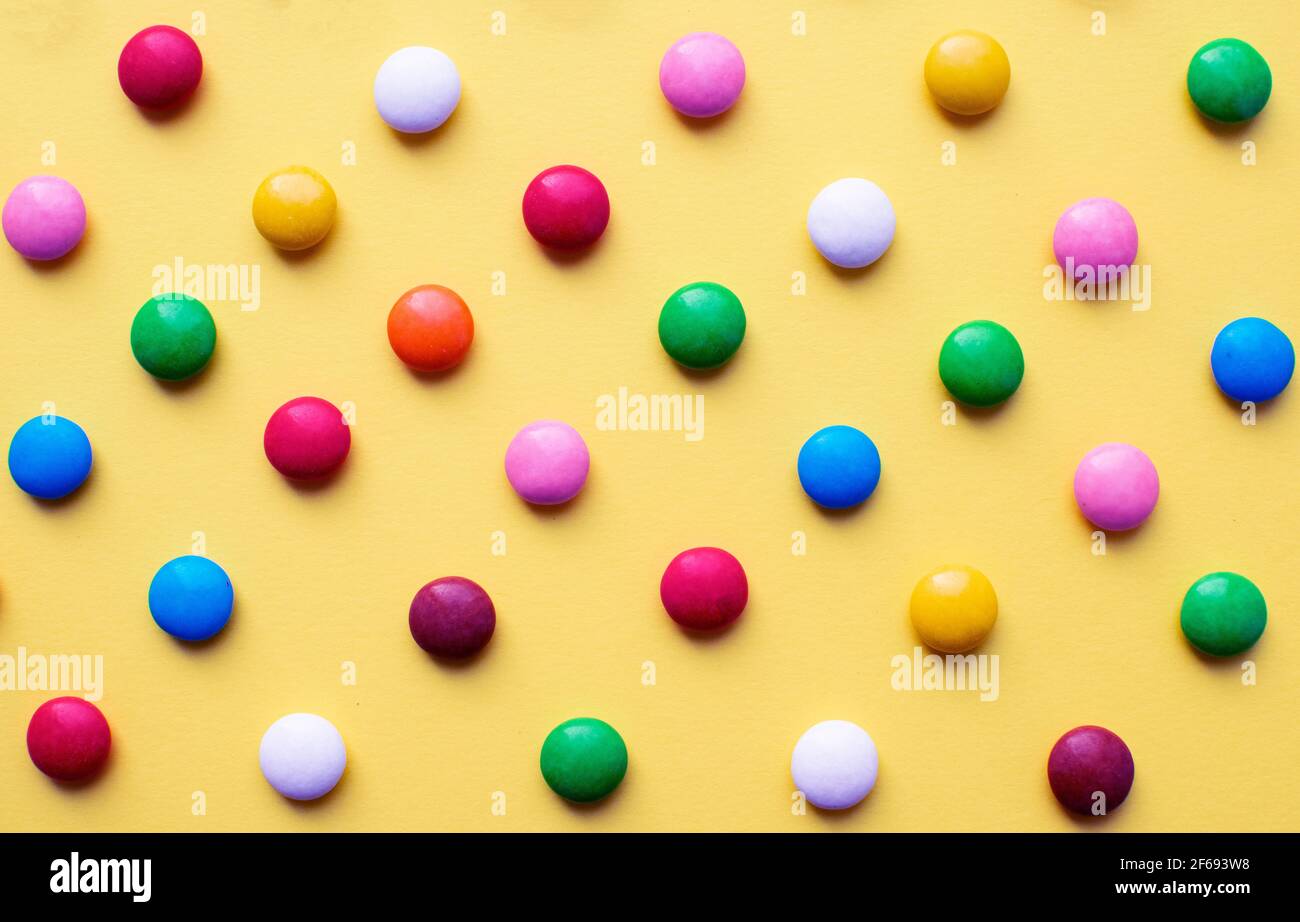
(981, 363)
(159, 67)
(851, 223)
(1228, 80)
(49, 457)
(954, 608)
(702, 75)
(306, 438)
(702, 325)
(44, 217)
(68, 739)
(1252, 360)
(967, 72)
(704, 588)
(294, 208)
(1223, 614)
(1087, 762)
(302, 756)
(839, 467)
(547, 462)
(172, 336)
(584, 759)
(452, 617)
(191, 598)
(417, 89)
(430, 328)
(835, 764)
(1116, 486)
(1094, 234)
(566, 207)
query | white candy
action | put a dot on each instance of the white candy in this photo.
(834, 764)
(302, 756)
(851, 223)
(417, 89)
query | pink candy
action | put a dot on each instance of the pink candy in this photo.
(1093, 234)
(307, 438)
(44, 217)
(702, 75)
(547, 462)
(1116, 486)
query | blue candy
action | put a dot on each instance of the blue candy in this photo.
(49, 456)
(191, 598)
(839, 467)
(1252, 360)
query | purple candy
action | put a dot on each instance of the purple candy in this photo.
(452, 617)
(702, 74)
(1090, 770)
(44, 217)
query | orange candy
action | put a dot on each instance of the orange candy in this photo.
(430, 328)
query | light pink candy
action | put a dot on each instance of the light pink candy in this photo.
(547, 462)
(1096, 232)
(44, 217)
(1116, 486)
(702, 74)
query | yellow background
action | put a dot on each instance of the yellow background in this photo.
(325, 576)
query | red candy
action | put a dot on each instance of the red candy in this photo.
(159, 67)
(1085, 762)
(306, 438)
(704, 589)
(68, 739)
(566, 207)
(452, 617)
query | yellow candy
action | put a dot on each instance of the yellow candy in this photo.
(967, 72)
(954, 608)
(294, 208)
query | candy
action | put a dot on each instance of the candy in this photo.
(835, 764)
(704, 588)
(68, 739)
(1223, 614)
(1228, 80)
(49, 457)
(547, 462)
(953, 608)
(1090, 770)
(1252, 360)
(702, 325)
(430, 328)
(452, 617)
(839, 467)
(566, 207)
(981, 364)
(417, 89)
(851, 223)
(44, 217)
(967, 72)
(159, 67)
(307, 438)
(583, 759)
(302, 756)
(702, 74)
(191, 598)
(1116, 486)
(172, 336)
(1094, 237)
(294, 208)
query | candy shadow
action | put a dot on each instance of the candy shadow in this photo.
(67, 500)
(417, 140)
(173, 112)
(597, 806)
(308, 486)
(557, 509)
(1226, 131)
(1262, 408)
(187, 384)
(310, 806)
(432, 378)
(565, 258)
(297, 257)
(206, 648)
(710, 124)
(702, 375)
(460, 663)
(965, 122)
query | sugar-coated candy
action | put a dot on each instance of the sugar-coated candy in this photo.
(980, 363)
(702, 74)
(702, 325)
(835, 764)
(547, 462)
(44, 217)
(294, 208)
(1228, 80)
(452, 617)
(173, 336)
(1252, 360)
(191, 597)
(1116, 486)
(159, 67)
(302, 756)
(839, 467)
(417, 88)
(583, 759)
(68, 739)
(953, 608)
(430, 328)
(1094, 237)
(1090, 770)
(49, 456)
(967, 72)
(1223, 614)
(704, 588)
(851, 223)
(566, 207)
(307, 438)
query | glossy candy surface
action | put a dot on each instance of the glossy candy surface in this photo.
(159, 67)
(1090, 769)
(981, 364)
(307, 438)
(954, 608)
(1252, 360)
(566, 207)
(851, 223)
(173, 336)
(1223, 614)
(294, 208)
(835, 764)
(583, 759)
(417, 89)
(1228, 80)
(839, 467)
(452, 617)
(967, 72)
(68, 739)
(44, 217)
(1116, 486)
(49, 457)
(547, 462)
(702, 74)
(302, 756)
(191, 598)
(1092, 235)
(430, 328)
(702, 325)
(704, 588)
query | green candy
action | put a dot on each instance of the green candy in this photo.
(584, 759)
(1223, 614)
(1229, 81)
(173, 336)
(981, 363)
(702, 325)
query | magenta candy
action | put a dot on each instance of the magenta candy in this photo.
(1090, 770)
(704, 588)
(1116, 486)
(1096, 233)
(452, 617)
(307, 438)
(702, 75)
(44, 217)
(547, 462)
